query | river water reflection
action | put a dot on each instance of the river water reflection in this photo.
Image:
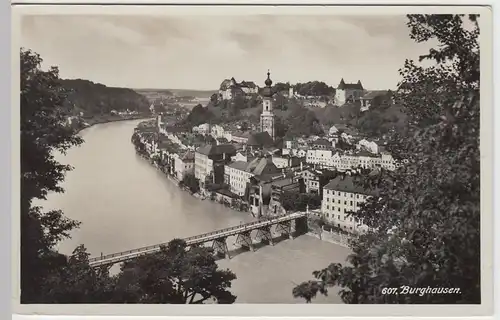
(125, 203)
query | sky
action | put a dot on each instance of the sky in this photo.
(199, 52)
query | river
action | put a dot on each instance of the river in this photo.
(125, 203)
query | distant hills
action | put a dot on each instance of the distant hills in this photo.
(97, 99)
(177, 92)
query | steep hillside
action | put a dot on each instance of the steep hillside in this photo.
(373, 122)
(96, 99)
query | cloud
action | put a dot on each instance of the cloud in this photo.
(200, 51)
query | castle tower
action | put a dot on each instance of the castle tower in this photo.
(267, 116)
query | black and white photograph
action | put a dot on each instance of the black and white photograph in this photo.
(253, 158)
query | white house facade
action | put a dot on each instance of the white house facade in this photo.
(341, 196)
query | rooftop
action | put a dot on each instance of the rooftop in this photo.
(209, 149)
(375, 93)
(260, 139)
(342, 85)
(346, 183)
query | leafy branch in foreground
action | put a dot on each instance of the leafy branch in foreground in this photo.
(427, 215)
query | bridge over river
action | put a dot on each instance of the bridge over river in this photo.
(243, 233)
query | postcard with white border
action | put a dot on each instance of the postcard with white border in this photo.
(248, 160)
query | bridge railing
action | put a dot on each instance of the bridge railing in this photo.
(157, 246)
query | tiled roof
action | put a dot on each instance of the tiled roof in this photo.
(322, 142)
(187, 156)
(264, 166)
(241, 134)
(372, 94)
(239, 165)
(260, 139)
(342, 85)
(249, 84)
(216, 149)
(345, 183)
(364, 153)
(258, 166)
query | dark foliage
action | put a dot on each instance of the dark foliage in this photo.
(314, 88)
(427, 218)
(97, 99)
(293, 201)
(175, 275)
(190, 182)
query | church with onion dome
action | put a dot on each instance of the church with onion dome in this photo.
(267, 121)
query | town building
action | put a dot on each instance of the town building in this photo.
(322, 144)
(184, 164)
(259, 141)
(240, 137)
(230, 88)
(203, 129)
(237, 174)
(265, 192)
(210, 161)
(362, 159)
(316, 179)
(217, 131)
(348, 92)
(341, 196)
(267, 120)
(369, 146)
(320, 157)
(383, 97)
(333, 131)
(287, 161)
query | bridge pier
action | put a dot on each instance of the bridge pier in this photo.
(301, 226)
(220, 247)
(244, 239)
(265, 235)
(285, 228)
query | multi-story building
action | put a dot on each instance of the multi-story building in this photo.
(230, 88)
(322, 144)
(184, 164)
(217, 132)
(316, 179)
(287, 161)
(238, 174)
(203, 129)
(210, 160)
(320, 157)
(369, 146)
(347, 92)
(266, 190)
(341, 196)
(362, 159)
(240, 137)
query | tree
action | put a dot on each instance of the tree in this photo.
(175, 275)
(42, 133)
(244, 126)
(280, 86)
(190, 182)
(75, 281)
(426, 217)
(214, 98)
(294, 201)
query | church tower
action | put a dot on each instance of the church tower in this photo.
(267, 116)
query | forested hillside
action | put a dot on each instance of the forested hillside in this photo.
(97, 99)
(374, 122)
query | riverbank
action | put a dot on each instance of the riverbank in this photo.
(146, 150)
(112, 118)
